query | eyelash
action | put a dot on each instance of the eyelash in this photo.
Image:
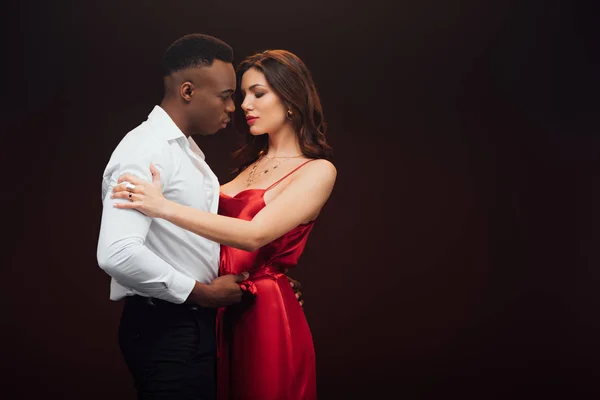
(256, 95)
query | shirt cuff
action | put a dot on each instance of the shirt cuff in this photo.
(181, 287)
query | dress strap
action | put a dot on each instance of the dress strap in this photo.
(289, 173)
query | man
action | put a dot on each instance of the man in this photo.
(167, 275)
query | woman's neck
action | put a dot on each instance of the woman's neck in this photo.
(284, 143)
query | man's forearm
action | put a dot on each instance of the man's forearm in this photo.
(122, 254)
(134, 266)
(201, 294)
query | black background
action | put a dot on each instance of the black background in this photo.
(458, 253)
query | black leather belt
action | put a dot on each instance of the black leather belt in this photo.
(154, 302)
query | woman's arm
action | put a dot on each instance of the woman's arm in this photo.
(299, 202)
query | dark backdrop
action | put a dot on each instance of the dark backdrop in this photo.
(458, 253)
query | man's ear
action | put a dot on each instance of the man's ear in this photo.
(186, 90)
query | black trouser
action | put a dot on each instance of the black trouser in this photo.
(170, 349)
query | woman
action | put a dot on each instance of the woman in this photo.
(266, 214)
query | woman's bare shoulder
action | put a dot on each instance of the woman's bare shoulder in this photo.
(322, 167)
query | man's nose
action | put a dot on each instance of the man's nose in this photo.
(230, 107)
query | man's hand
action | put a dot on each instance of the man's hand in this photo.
(296, 287)
(222, 292)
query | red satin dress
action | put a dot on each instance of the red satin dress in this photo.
(265, 346)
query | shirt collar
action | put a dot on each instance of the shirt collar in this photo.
(195, 148)
(168, 130)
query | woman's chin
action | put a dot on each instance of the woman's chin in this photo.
(255, 131)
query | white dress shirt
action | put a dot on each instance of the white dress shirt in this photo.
(147, 256)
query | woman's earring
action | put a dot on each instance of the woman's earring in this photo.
(289, 114)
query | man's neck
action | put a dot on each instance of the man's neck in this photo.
(176, 115)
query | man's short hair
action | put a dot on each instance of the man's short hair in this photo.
(195, 50)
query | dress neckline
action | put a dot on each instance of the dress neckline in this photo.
(273, 184)
(262, 198)
(242, 191)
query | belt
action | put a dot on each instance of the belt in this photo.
(154, 302)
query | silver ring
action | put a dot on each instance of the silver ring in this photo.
(130, 186)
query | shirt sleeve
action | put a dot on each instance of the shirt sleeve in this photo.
(121, 250)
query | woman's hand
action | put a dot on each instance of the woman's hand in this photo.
(143, 196)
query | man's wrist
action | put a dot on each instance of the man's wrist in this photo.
(200, 294)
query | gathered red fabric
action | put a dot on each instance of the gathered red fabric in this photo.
(265, 347)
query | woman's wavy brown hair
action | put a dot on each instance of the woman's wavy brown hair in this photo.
(292, 82)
